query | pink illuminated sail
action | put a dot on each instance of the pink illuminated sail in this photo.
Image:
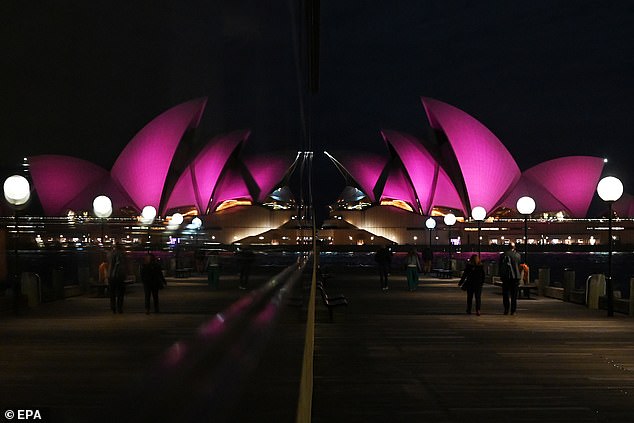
(230, 187)
(58, 180)
(197, 183)
(142, 167)
(397, 187)
(419, 165)
(269, 170)
(571, 180)
(363, 168)
(487, 168)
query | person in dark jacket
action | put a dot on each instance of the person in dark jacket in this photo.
(117, 272)
(383, 259)
(509, 272)
(153, 280)
(471, 281)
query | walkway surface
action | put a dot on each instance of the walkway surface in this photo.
(389, 356)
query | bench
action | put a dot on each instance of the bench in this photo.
(527, 288)
(442, 273)
(184, 272)
(331, 302)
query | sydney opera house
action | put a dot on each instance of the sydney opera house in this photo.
(463, 165)
(242, 198)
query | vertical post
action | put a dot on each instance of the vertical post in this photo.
(17, 288)
(449, 242)
(525, 238)
(479, 238)
(609, 291)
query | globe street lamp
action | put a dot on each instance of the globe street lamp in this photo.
(610, 190)
(478, 214)
(102, 207)
(196, 224)
(526, 206)
(431, 224)
(17, 192)
(148, 214)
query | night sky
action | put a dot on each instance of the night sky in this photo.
(549, 78)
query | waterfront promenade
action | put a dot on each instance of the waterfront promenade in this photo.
(395, 356)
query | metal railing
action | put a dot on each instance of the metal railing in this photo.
(201, 379)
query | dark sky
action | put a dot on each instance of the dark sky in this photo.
(549, 78)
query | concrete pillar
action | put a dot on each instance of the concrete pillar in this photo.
(569, 283)
(631, 296)
(544, 280)
(596, 289)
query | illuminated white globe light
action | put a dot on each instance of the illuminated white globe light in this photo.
(17, 190)
(430, 223)
(102, 206)
(526, 205)
(610, 188)
(478, 213)
(197, 223)
(177, 219)
(148, 214)
(450, 219)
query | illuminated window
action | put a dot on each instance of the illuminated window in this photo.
(397, 203)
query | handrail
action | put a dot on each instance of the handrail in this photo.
(305, 401)
(200, 380)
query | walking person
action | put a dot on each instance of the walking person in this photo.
(509, 271)
(116, 278)
(245, 262)
(213, 270)
(153, 280)
(471, 281)
(413, 268)
(383, 258)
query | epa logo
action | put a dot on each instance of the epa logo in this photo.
(23, 415)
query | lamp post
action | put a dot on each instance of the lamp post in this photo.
(148, 214)
(174, 223)
(478, 214)
(197, 223)
(450, 220)
(526, 206)
(610, 190)
(17, 192)
(102, 207)
(431, 224)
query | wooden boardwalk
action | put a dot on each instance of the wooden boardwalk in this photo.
(418, 357)
(395, 356)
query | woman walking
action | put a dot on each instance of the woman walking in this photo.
(471, 281)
